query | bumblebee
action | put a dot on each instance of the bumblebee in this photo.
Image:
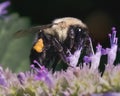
(53, 41)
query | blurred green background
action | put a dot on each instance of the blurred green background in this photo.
(14, 53)
(99, 15)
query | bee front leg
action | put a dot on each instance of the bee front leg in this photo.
(89, 47)
(60, 50)
(71, 36)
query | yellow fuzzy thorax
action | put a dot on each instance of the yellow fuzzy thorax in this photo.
(60, 27)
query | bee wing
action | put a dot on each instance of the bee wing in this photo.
(25, 32)
(32, 30)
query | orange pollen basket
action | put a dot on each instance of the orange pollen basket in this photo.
(39, 45)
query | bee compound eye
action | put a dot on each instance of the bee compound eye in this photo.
(79, 30)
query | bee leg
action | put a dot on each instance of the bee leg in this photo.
(60, 50)
(34, 56)
(71, 43)
(89, 48)
(57, 59)
(40, 57)
(38, 51)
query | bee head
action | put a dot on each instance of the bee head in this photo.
(64, 27)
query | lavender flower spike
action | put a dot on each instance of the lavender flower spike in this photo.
(73, 58)
(95, 59)
(87, 59)
(42, 74)
(3, 6)
(113, 50)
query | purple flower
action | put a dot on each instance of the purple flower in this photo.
(73, 58)
(107, 94)
(94, 58)
(103, 51)
(42, 74)
(3, 81)
(99, 94)
(87, 59)
(113, 50)
(112, 94)
(1, 69)
(3, 7)
(113, 38)
(21, 77)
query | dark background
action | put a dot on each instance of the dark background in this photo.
(99, 15)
